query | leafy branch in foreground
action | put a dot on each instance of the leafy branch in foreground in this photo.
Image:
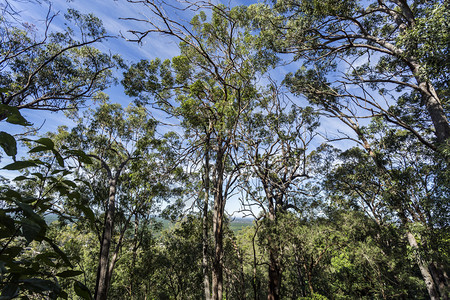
(23, 226)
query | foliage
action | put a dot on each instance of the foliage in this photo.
(51, 70)
(31, 260)
(368, 221)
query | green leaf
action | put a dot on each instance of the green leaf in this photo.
(39, 285)
(59, 251)
(38, 149)
(28, 199)
(70, 183)
(18, 165)
(10, 291)
(21, 178)
(13, 115)
(59, 158)
(10, 253)
(8, 143)
(38, 175)
(46, 142)
(8, 225)
(69, 273)
(6, 232)
(12, 194)
(27, 209)
(83, 157)
(81, 290)
(87, 212)
(30, 230)
(74, 195)
(46, 258)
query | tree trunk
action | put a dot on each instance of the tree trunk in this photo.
(219, 206)
(301, 281)
(217, 278)
(436, 111)
(103, 278)
(205, 225)
(440, 279)
(255, 281)
(274, 263)
(134, 257)
(430, 98)
(423, 266)
(274, 276)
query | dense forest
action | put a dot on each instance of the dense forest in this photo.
(324, 121)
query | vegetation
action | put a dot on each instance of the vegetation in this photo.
(123, 206)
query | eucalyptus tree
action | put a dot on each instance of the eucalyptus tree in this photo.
(123, 149)
(209, 87)
(43, 69)
(277, 137)
(404, 185)
(46, 69)
(377, 58)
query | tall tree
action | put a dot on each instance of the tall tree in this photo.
(382, 49)
(403, 184)
(277, 137)
(51, 70)
(118, 141)
(212, 83)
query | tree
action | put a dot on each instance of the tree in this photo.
(123, 146)
(382, 47)
(386, 47)
(209, 86)
(50, 70)
(277, 137)
(403, 184)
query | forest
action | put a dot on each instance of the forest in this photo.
(291, 149)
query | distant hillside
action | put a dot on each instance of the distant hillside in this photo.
(236, 224)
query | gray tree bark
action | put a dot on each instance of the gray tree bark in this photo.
(423, 266)
(102, 284)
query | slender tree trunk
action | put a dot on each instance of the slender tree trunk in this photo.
(274, 271)
(274, 263)
(309, 274)
(219, 206)
(432, 103)
(430, 98)
(301, 280)
(103, 276)
(217, 278)
(205, 223)
(255, 282)
(423, 266)
(134, 257)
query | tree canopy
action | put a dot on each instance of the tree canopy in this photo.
(323, 123)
